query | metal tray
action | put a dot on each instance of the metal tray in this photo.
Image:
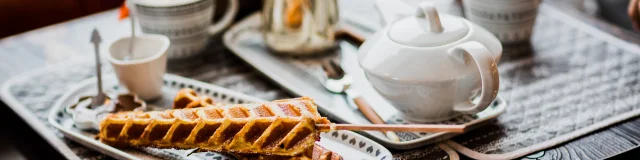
(341, 142)
(298, 75)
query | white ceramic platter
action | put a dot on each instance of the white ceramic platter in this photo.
(346, 143)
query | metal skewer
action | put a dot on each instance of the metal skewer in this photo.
(100, 98)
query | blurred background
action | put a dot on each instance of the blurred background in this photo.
(17, 16)
(19, 141)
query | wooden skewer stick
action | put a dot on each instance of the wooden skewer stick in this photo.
(373, 117)
(393, 127)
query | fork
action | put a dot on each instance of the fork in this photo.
(335, 80)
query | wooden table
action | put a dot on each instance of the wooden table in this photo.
(51, 45)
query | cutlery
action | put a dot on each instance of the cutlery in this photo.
(100, 98)
(335, 80)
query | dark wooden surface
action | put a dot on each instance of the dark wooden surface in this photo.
(19, 141)
(51, 45)
(23, 15)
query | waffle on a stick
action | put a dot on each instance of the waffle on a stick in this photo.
(188, 98)
(283, 127)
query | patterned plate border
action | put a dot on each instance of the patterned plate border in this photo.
(360, 143)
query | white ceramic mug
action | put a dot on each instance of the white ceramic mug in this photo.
(143, 74)
(510, 20)
(188, 23)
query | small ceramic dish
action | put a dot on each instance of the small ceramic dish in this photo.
(87, 117)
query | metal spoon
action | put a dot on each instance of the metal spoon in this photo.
(100, 98)
(133, 39)
(337, 81)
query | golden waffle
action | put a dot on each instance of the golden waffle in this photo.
(316, 153)
(321, 153)
(187, 98)
(283, 127)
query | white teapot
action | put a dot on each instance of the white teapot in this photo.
(430, 66)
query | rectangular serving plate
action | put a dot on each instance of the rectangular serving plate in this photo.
(299, 76)
(63, 122)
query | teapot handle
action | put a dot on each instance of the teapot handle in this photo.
(488, 74)
(428, 11)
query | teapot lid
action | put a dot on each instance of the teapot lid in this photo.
(427, 28)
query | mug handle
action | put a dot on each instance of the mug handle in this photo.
(232, 10)
(488, 75)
